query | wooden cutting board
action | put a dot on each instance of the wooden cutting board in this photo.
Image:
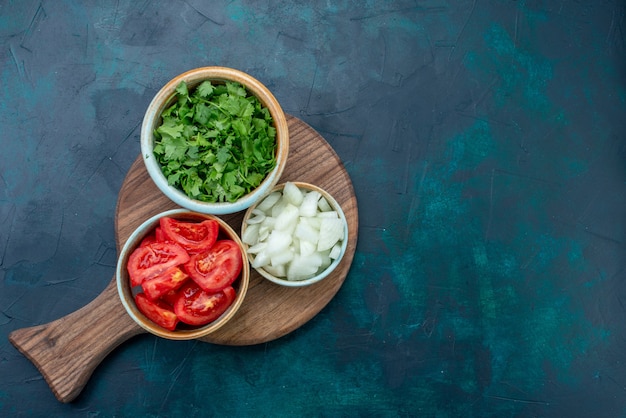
(68, 350)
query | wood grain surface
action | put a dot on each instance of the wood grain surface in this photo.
(68, 350)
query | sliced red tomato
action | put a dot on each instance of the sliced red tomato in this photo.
(149, 239)
(217, 267)
(170, 297)
(170, 279)
(159, 236)
(153, 259)
(156, 236)
(156, 311)
(197, 307)
(194, 237)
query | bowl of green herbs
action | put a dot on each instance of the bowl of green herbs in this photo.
(214, 140)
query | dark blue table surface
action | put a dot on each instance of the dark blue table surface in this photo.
(486, 141)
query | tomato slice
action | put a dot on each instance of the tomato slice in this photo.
(159, 236)
(170, 297)
(171, 279)
(149, 239)
(153, 259)
(217, 267)
(156, 311)
(194, 237)
(197, 307)
(156, 236)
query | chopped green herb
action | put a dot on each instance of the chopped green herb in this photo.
(216, 143)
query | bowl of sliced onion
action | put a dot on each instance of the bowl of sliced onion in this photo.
(296, 235)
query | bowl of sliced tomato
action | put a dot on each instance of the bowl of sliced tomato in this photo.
(182, 274)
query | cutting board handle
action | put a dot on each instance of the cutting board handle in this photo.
(68, 350)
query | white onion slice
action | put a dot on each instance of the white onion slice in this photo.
(251, 234)
(287, 218)
(261, 260)
(308, 208)
(328, 214)
(331, 231)
(306, 232)
(292, 194)
(282, 257)
(269, 201)
(257, 248)
(324, 205)
(278, 241)
(335, 252)
(259, 216)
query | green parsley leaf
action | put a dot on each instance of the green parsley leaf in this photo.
(174, 148)
(223, 155)
(205, 89)
(202, 114)
(236, 89)
(181, 89)
(171, 128)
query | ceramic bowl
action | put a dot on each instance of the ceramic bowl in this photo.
(251, 212)
(166, 97)
(126, 293)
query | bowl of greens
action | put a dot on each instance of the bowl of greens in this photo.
(214, 140)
